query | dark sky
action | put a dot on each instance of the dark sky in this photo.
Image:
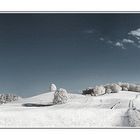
(74, 51)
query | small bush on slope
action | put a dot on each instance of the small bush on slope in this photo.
(52, 88)
(60, 96)
(108, 90)
(99, 90)
(125, 86)
(137, 88)
(112, 88)
(89, 91)
(5, 98)
(132, 87)
(115, 88)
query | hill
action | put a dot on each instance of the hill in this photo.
(109, 110)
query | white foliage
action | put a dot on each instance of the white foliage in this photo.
(124, 88)
(5, 98)
(52, 87)
(108, 90)
(60, 96)
(99, 90)
(124, 85)
(115, 88)
(137, 88)
(132, 87)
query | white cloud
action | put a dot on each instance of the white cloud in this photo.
(135, 33)
(102, 39)
(127, 41)
(137, 37)
(122, 43)
(119, 44)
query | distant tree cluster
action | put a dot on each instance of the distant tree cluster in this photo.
(111, 88)
(5, 98)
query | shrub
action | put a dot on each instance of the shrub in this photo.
(60, 96)
(115, 88)
(137, 88)
(99, 90)
(108, 90)
(5, 98)
(52, 87)
(125, 86)
(132, 87)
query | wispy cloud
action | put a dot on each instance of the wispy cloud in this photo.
(135, 33)
(120, 45)
(124, 43)
(102, 39)
(127, 41)
(131, 40)
(89, 31)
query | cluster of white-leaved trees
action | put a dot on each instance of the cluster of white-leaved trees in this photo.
(60, 95)
(5, 98)
(112, 88)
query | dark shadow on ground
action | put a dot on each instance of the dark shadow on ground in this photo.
(36, 105)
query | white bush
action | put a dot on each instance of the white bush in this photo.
(5, 98)
(132, 87)
(115, 88)
(60, 96)
(124, 88)
(137, 88)
(99, 90)
(52, 87)
(108, 90)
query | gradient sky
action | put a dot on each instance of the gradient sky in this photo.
(74, 51)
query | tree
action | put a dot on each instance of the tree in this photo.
(132, 87)
(115, 88)
(137, 89)
(5, 98)
(108, 90)
(99, 90)
(125, 86)
(60, 96)
(53, 87)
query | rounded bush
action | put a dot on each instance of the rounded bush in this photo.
(137, 88)
(124, 88)
(132, 87)
(60, 96)
(99, 90)
(52, 88)
(108, 90)
(115, 88)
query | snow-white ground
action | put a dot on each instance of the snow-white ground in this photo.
(105, 111)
